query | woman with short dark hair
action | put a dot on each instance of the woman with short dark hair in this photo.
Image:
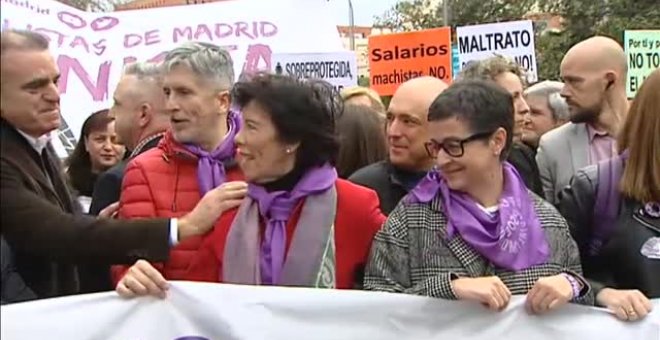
(471, 230)
(361, 139)
(300, 225)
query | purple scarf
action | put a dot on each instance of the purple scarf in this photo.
(210, 165)
(512, 238)
(276, 208)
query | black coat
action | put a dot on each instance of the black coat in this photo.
(13, 288)
(620, 263)
(522, 158)
(108, 186)
(107, 190)
(382, 178)
(39, 222)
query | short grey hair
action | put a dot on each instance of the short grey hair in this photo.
(206, 60)
(550, 90)
(22, 40)
(145, 71)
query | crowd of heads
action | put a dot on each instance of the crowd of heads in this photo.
(290, 123)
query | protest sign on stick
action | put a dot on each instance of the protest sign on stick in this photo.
(513, 39)
(396, 58)
(643, 55)
(337, 68)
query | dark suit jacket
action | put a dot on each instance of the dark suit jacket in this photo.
(38, 221)
(13, 287)
(380, 178)
(108, 187)
(522, 158)
(107, 191)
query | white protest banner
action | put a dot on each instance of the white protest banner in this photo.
(205, 311)
(337, 68)
(91, 49)
(514, 39)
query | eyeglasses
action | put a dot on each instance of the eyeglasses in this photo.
(453, 147)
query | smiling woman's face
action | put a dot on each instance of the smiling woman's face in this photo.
(480, 156)
(261, 154)
(104, 151)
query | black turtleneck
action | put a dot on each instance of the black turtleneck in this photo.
(408, 179)
(286, 182)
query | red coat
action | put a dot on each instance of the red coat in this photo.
(162, 182)
(357, 220)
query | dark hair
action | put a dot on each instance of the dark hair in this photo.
(79, 163)
(22, 40)
(482, 104)
(302, 111)
(361, 139)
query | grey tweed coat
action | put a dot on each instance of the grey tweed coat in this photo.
(411, 254)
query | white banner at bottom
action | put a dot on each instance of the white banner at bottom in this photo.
(200, 311)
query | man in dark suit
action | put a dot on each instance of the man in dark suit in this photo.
(12, 288)
(140, 122)
(38, 216)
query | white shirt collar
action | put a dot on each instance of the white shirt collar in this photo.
(38, 144)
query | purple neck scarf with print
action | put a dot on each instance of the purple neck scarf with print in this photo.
(512, 238)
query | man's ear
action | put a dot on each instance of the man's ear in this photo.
(144, 115)
(611, 78)
(223, 100)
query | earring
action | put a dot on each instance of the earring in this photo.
(288, 150)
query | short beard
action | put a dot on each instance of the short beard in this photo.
(585, 116)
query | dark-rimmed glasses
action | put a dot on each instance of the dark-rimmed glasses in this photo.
(453, 147)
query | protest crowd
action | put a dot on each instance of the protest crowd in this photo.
(475, 188)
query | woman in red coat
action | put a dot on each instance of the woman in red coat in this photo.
(299, 225)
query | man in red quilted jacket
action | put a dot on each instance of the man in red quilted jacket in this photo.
(195, 156)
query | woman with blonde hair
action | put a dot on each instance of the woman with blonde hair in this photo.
(359, 95)
(613, 209)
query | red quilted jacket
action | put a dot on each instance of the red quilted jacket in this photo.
(162, 182)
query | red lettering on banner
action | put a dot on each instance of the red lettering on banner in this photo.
(256, 53)
(98, 90)
(255, 30)
(79, 41)
(104, 23)
(267, 25)
(100, 47)
(220, 33)
(185, 32)
(71, 19)
(132, 40)
(242, 27)
(152, 37)
(203, 29)
(75, 21)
